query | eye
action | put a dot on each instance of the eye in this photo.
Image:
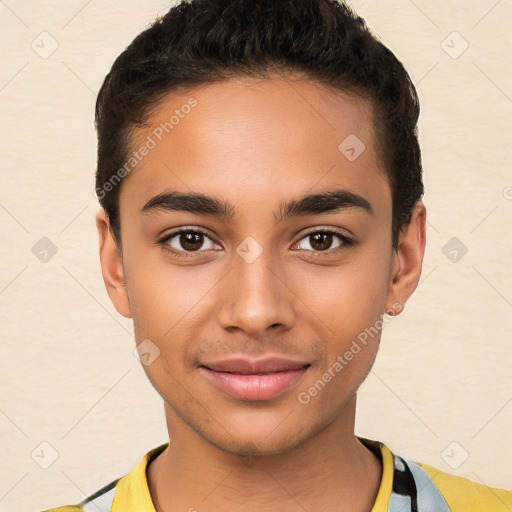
(187, 240)
(321, 241)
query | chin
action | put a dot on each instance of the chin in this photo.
(256, 446)
(259, 438)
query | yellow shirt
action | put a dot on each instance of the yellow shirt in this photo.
(405, 486)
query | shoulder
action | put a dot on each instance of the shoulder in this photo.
(429, 489)
(67, 508)
(407, 485)
(100, 501)
(129, 492)
(465, 495)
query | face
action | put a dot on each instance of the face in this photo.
(253, 297)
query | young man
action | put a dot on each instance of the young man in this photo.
(260, 181)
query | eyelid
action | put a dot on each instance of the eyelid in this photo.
(346, 240)
(328, 229)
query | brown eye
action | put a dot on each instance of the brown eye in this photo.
(191, 241)
(184, 241)
(322, 240)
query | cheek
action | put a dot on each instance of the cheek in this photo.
(164, 297)
(346, 304)
(170, 307)
(346, 298)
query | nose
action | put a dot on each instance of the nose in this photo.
(256, 297)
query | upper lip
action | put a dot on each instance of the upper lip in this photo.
(250, 366)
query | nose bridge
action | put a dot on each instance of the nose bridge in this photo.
(254, 297)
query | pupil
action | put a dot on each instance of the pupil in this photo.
(323, 245)
(187, 241)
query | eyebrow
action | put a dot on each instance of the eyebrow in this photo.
(331, 201)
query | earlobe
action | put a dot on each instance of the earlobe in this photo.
(112, 266)
(408, 260)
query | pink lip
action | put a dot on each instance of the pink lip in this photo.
(255, 380)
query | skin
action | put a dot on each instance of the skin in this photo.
(257, 143)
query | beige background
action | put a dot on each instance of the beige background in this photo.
(68, 373)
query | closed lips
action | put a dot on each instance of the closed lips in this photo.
(245, 367)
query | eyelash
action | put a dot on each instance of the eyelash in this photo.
(346, 241)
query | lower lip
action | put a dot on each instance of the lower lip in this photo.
(262, 386)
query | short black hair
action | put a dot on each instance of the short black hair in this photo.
(203, 41)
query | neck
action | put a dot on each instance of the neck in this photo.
(330, 471)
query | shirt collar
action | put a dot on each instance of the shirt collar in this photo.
(132, 491)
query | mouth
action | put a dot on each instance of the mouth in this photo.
(254, 380)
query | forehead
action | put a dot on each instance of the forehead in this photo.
(250, 139)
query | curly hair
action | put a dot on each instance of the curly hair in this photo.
(202, 41)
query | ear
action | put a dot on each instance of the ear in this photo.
(407, 261)
(112, 266)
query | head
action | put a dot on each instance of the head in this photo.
(285, 135)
